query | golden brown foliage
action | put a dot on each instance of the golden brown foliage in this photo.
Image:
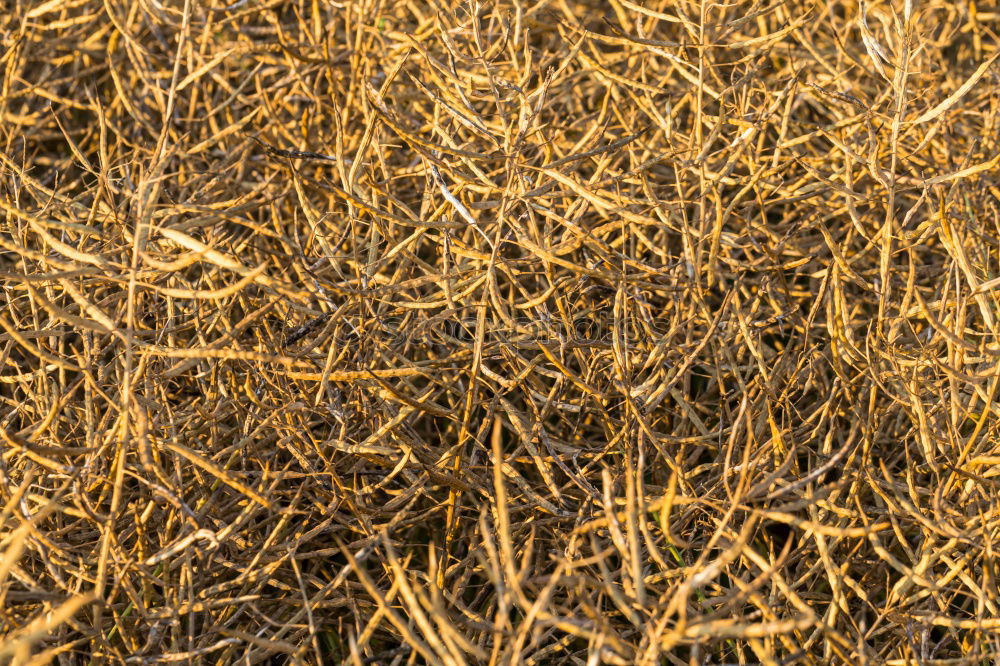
(462, 332)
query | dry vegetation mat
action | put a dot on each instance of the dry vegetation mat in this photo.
(462, 332)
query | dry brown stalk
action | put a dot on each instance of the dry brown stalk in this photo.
(499, 333)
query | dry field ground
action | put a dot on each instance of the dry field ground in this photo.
(457, 332)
